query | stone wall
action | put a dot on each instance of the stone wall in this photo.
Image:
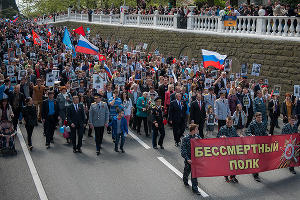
(280, 60)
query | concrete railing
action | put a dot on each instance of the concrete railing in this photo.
(252, 25)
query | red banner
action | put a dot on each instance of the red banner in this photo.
(244, 155)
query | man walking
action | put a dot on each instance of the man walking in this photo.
(198, 113)
(186, 154)
(222, 110)
(257, 127)
(158, 125)
(98, 118)
(76, 120)
(177, 115)
(49, 117)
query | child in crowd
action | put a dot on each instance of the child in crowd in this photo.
(210, 122)
(119, 129)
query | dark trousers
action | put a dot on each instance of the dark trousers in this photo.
(273, 124)
(155, 134)
(187, 171)
(79, 131)
(49, 128)
(249, 119)
(178, 130)
(221, 123)
(201, 127)
(15, 119)
(139, 123)
(98, 136)
(133, 120)
(118, 136)
(29, 130)
(298, 122)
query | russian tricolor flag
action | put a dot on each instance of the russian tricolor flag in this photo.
(108, 72)
(84, 46)
(214, 59)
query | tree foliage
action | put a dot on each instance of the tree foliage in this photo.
(9, 9)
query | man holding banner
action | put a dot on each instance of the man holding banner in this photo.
(228, 131)
(186, 154)
(290, 128)
(257, 127)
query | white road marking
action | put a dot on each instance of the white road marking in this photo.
(139, 140)
(176, 171)
(33, 171)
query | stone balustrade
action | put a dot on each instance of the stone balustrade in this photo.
(261, 26)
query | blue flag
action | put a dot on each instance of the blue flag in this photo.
(67, 41)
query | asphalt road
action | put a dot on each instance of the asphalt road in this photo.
(137, 174)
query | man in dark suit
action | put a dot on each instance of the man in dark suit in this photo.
(76, 120)
(177, 90)
(177, 115)
(198, 113)
(274, 112)
(50, 117)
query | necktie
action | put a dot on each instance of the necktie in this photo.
(200, 105)
(76, 107)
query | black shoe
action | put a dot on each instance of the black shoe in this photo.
(293, 171)
(277, 126)
(108, 132)
(196, 192)
(98, 153)
(257, 179)
(116, 150)
(122, 150)
(30, 148)
(147, 135)
(79, 150)
(234, 180)
(48, 146)
(162, 147)
(52, 141)
(74, 151)
(176, 144)
(186, 184)
(155, 148)
(139, 133)
(227, 180)
(90, 136)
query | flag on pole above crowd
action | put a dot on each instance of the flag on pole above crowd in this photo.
(37, 39)
(67, 41)
(17, 17)
(84, 46)
(79, 31)
(214, 59)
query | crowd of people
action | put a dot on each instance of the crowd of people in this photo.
(271, 9)
(160, 91)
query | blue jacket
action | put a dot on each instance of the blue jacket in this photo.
(2, 87)
(124, 128)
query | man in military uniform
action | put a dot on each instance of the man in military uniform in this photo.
(186, 154)
(158, 125)
(257, 127)
(260, 106)
(290, 128)
(228, 131)
(98, 118)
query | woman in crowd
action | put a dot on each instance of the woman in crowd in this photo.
(30, 118)
(287, 107)
(233, 101)
(127, 105)
(6, 112)
(239, 119)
